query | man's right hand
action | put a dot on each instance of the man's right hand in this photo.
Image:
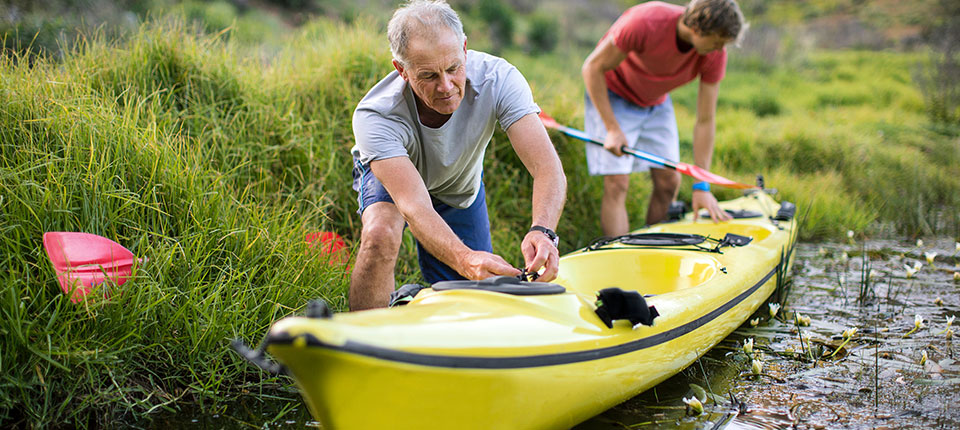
(479, 265)
(615, 141)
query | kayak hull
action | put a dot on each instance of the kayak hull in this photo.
(486, 360)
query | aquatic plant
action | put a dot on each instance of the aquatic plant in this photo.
(756, 366)
(754, 322)
(910, 270)
(847, 335)
(923, 357)
(774, 308)
(748, 346)
(694, 406)
(919, 243)
(917, 325)
(930, 256)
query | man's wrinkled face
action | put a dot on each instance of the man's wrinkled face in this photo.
(436, 70)
(709, 43)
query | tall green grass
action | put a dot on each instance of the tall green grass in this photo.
(213, 160)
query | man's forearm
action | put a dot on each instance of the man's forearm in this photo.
(597, 91)
(703, 140)
(549, 196)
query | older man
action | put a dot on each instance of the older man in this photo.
(650, 50)
(421, 133)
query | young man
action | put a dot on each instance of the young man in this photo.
(651, 49)
(420, 136)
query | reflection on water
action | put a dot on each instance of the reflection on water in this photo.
(812, 376)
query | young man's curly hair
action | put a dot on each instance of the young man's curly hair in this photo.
(715, 17)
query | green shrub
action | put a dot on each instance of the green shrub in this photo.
(544, 33)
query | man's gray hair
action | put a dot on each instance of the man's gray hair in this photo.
(417, 16)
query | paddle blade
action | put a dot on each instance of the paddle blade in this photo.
(84, 261)
(704, 175)
(331, 245)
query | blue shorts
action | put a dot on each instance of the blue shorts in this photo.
(651, 129)
(471, 225)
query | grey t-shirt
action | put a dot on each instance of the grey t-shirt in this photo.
(449, 158)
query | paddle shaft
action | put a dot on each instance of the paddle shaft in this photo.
(687, 169)
(572, 132)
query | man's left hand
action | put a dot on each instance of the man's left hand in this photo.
(540, 253)
(706, 200)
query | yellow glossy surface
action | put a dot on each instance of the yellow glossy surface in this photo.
(347, 390)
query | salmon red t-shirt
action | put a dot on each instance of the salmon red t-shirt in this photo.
(654, 65)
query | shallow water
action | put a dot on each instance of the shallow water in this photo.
(810, 378)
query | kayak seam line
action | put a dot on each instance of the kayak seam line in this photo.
(521, 362)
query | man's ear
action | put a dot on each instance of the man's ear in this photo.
(399, 67)
(464, 46)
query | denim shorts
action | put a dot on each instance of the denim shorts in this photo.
(471, 225)
(651, 129)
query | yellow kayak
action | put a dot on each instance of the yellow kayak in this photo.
(623, 315)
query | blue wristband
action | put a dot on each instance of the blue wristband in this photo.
(701, 186)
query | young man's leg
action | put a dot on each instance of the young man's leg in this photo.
(613, 207)
(666, 184)
(660, 137)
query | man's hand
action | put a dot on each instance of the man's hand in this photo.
(539, 252)
(479, 265)
(706, 200)
(615, 141)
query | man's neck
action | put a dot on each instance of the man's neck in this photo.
(430, 117)
(684, 40)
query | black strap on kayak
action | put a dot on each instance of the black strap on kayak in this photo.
(503, 284)
(404, 294)
(671, 241)
(786, 212)
(616, 304)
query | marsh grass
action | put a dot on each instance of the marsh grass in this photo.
(213, 160)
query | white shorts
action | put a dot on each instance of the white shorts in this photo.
(649, 129)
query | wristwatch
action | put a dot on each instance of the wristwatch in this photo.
(552, 235)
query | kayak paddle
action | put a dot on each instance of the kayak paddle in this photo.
(83, 261)
(687, 169)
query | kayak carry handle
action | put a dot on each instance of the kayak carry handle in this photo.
(616, 304)
(257, 357)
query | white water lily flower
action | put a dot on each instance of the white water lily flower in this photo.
(848, 333)
(919, 243)
(917, 265)
(950, 320)
(694, 407)
(774, 308)
(756, 366)
(923, 358)
(748, 346)
(844, 256)
(930, 256)
(918, 322)
(849, 234)
(956, 276)
(754, 322)
(910, 271)
(874, 274)
(801, 319)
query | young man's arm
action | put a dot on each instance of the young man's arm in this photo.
(533, 146)
(703, 138)
(605, 57)
(401, 179)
